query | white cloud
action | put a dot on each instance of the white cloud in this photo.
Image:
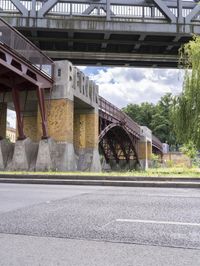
(122, 86)
(82, 68)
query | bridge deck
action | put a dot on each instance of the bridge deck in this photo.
(23, 67)
(107, 32)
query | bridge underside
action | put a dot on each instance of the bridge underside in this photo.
(96, 47)
(107, 32)
(17, 75)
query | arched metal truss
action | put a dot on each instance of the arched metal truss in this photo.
(116, 144)
(119, 135)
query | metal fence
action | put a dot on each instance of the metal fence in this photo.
(133, 10)
(114, 113)
(157, 143)
(18, 43)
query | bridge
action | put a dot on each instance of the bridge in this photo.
(62, 122)
(145, 33)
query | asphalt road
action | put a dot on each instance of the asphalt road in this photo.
(72, 225)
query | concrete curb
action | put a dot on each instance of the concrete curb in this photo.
(97, 182)
(100, 178)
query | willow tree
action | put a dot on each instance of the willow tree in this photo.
(187, 105)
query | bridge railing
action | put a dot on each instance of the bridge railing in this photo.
(18, 43)
(157, 143)
(116, 115)
(117, 9)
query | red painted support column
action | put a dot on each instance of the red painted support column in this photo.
(16, 101)
(40, 95)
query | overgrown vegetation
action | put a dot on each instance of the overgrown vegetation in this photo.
(155, 172)
(186, 113)
(156, 117)
(176, 120)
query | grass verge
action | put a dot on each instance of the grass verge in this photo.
(152, 172)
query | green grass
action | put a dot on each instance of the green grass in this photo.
(152, 172)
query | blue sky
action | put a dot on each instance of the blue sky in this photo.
(122, 86)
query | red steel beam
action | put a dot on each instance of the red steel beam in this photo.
(40, 96)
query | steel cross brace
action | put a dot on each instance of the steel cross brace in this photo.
(110, 143)
(20, 7)
(121, 144)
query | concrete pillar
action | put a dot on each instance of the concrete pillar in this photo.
(86, 130)
(86, 126)
(24, 156)
(59, 149)
(144, 153)
(6, 153)
(59, 119)
(149, 150)
(3, 119)
(30, 126)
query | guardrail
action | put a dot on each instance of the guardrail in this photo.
(23, 47)
(117, 115)
(111, 9)
(156, 142)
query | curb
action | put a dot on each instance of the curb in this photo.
(96, 182)
(100, 178)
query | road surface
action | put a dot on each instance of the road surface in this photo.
(109, 226)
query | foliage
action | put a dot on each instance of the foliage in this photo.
(156, 172)
(186, 111)
(155, 161)
(157, 117)
(162, 122)
(189, 149)
(142, 114)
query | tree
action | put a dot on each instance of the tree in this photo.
(157, 117)
(187, 104)
(142, 114)
(162, 121)
(190, 150)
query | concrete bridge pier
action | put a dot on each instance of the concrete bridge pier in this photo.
(25, 149)
(72, 118)
(70, 111)
(86, 140)
(6, 153)
(57, 152)
(86, 123)
(145, 148)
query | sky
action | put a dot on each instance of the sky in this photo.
(122, 86)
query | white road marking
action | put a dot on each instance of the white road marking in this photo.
(171, 195)
(112, 221)
(155, 222)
